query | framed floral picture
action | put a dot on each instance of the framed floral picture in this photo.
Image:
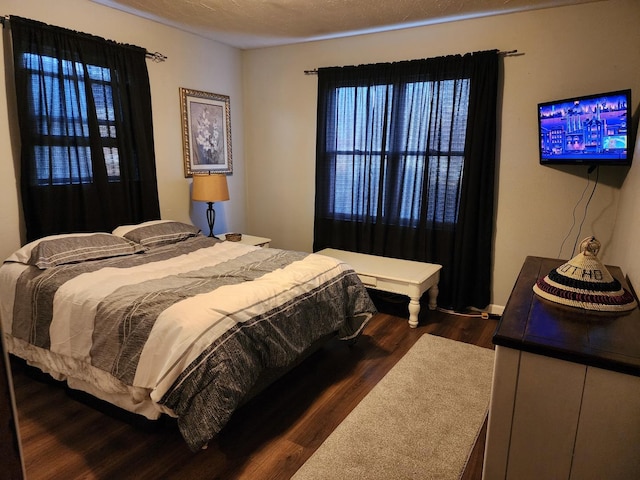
(206, 132)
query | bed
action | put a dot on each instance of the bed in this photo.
(158, 319)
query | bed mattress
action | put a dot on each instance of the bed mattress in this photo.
(184, 329)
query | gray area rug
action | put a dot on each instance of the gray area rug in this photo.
(419, 422)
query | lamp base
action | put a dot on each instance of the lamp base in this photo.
(211, 218)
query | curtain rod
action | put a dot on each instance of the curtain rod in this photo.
(153, 56)
(510, 53)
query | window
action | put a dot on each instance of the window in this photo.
(405, 160)
(57, 161)
(87, 160)
(365, 143)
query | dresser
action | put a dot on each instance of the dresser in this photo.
(565, 400)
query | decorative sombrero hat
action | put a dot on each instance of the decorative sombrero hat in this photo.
(585, 282)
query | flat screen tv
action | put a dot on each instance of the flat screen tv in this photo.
(588, 130)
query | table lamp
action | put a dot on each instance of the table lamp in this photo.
(210, 188)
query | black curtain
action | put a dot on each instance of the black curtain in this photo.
(84, 113)
(405, 166)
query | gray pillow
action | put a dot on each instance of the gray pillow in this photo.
(157, 233)
(62, 249)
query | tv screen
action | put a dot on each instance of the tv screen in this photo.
(587, 130)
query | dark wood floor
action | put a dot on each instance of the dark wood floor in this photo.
(269, 438)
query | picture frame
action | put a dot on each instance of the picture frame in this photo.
(206, 132)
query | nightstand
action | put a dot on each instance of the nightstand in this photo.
(251, 240)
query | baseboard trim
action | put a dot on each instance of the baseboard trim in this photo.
(492, 310)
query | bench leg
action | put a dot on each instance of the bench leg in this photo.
(433, 297)
(414, 310)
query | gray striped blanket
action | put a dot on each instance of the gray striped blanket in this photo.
(189, 326)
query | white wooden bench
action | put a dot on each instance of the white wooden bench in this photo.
(394, 275)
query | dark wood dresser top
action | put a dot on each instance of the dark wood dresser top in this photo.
(601, 339)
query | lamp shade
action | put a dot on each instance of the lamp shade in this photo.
(210, 188)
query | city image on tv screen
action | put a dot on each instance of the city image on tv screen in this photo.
(590, 130)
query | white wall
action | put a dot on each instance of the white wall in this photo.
(568, 51)
(626, 233)
(193, 62)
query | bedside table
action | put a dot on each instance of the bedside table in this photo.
(251, 240)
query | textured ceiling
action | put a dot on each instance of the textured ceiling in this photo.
(259, 23)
